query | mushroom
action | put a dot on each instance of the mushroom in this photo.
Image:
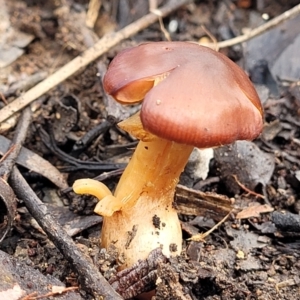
(192, 97)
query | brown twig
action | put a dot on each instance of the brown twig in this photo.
(103, 45)
(200, 237)
(161, 24)
(246, 189)
(289, 14)
(7, 153)
(3, 99)
(92, 13)
(7, 199)
(29, 296)
(7, 196)
(212, 37)
(7, 164)
(89, 276)
(33, 296)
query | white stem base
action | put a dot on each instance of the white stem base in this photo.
(144, 227)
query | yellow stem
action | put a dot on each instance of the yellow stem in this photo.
(146, 192)
(140, 216)
(153, 171)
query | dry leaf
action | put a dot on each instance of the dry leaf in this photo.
(254, 211)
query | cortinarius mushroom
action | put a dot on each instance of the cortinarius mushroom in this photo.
(192, 96)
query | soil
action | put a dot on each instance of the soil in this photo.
(254, 253)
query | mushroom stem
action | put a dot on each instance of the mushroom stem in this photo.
(146, 190)
(143, 217)
(139, 217)
(152, 172)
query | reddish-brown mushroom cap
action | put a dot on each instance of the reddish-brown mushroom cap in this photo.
(201, 97)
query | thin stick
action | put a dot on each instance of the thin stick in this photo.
(289, 14)
(161, 24)
(33, 296)
(21, 131)
(92, 13)
(201, 236)
(103, 45)
(90, 278)
(246, 189)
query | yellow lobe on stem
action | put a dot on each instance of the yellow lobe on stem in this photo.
(107, 205)
(91, 187)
